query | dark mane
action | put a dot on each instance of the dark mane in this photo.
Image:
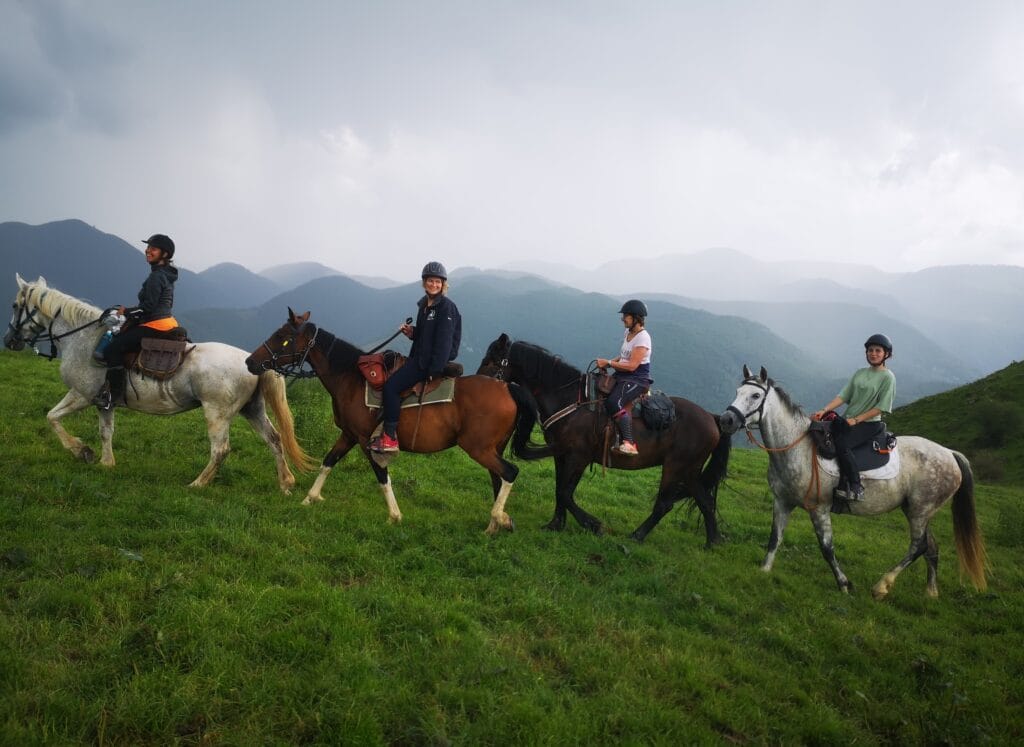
(541, 366)
(341, 355)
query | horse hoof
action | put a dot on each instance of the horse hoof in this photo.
(87, 455)
(309, 500)
(511, 524)
(553, 526)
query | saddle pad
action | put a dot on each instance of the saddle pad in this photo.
(444, 393)
(885, 472)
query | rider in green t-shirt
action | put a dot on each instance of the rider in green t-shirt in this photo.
(867, 395)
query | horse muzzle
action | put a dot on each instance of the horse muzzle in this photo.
(730, 421)
(13, 342)
(255, 367)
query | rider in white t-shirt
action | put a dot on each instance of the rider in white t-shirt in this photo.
(632, 373)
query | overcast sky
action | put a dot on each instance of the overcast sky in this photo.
(374, 136)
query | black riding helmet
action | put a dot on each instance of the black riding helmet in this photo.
(636, 308)
(161, 242)
(434, 270)
(881, 341)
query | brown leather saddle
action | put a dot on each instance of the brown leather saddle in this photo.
(376, 369)
(161, 355)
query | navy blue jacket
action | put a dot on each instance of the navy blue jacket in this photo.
(157, 295)
(435, 339)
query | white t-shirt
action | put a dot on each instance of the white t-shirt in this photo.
(642, 340)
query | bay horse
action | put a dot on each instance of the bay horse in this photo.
(574, 430)
(213, 376)
(481, 419)
(929, 475)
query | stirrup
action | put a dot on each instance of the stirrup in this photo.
(103, 399)
(626, 448)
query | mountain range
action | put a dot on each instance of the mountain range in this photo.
(709, 312)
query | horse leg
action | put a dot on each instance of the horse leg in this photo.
(931, 556)
(780, 518)
(557, 523)
(218, 428)
(566, 481)
(384, 481)
(822, 520)
(341, 447)
(662, 505)
(106, 418)
(72, 402)
(503, 474)
(918, 546)
(256, 413)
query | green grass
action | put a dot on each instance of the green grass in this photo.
(134, 610)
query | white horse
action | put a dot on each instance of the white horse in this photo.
(929, 475)
(212, 376)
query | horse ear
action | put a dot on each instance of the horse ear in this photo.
(764, 374)
(304, 318)
(504, 339)
(41, 282)
(291, 314)
(746, 372)
(21, 281)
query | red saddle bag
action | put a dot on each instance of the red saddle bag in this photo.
(373, 369)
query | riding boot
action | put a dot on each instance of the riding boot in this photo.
(626, 445)
(849, 487)
(112, 391)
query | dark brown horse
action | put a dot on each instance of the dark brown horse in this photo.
(482, 417)
(574, 429)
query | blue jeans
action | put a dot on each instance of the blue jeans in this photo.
(409, 374)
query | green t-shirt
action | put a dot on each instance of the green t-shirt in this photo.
(869, 388)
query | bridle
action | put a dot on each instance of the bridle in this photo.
(40, 331)
(291, 362)
(759, 410)
(814, 484)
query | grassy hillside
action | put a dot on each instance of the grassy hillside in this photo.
(984, 420)
(136, 611)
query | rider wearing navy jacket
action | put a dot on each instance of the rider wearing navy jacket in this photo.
(435, 342)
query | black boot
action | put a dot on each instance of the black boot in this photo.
(112, 391)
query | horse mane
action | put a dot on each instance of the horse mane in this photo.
(542, 366)
(341, 355)
(50, 301)
(783, 395)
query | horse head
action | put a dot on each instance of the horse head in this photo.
(748, 407)
(495, 361)
(285, 350)
(25, 325)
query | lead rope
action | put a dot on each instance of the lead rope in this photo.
(814, 484)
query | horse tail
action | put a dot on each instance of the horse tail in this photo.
(970, 547)
(526, 418)
(275, 394)
(715, 470)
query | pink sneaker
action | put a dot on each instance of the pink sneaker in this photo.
(626, 448)
(384, 444)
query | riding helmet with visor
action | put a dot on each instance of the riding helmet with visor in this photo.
(161, 242)
(434, 270)
(637, 309)
(881, 341)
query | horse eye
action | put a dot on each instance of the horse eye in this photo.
(757, 396)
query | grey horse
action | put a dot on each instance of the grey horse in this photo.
(928, 477)
(213, 376)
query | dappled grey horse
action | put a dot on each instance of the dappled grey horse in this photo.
(212, 376)
(929, 475)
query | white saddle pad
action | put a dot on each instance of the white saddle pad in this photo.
(885, 472)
